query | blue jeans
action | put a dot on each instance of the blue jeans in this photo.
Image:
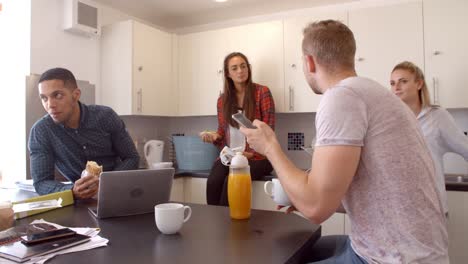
(334, 250)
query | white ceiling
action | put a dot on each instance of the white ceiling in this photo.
(174, 14)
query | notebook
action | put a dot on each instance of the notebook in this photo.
(19, 252)
(123, 193)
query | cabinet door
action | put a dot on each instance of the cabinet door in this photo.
(188, 75)
(211, 52)
(177, 191)
(298, 96)
(116, 67)
(262, 43)
(152, 71)
(200, 72)
(458, 226)
(195, 190)
(446, 56)
(386, 36)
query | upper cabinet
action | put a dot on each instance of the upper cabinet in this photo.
(298, 96)
(445, 50)
(386, 36)
(200, 71)
(262, 43)
(136, 70)
(201, 57)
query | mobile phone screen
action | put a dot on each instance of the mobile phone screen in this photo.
(242, 120)
(47, 235)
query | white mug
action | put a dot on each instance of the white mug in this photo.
(274, 189)
(169, 217)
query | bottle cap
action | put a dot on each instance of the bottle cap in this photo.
(239, 161)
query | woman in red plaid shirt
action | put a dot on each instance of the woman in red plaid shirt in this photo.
(256, 102)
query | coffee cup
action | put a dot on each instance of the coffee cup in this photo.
(274, 189)
(170, 217)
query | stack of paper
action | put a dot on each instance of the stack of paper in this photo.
(26, 185)
(95, 242)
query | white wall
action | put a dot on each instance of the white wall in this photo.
(14, 65)
(51, 46)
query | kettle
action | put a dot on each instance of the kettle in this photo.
(153, 151)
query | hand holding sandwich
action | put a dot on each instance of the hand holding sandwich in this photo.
(88, 185)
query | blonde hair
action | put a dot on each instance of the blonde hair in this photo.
(331, 43)
(423, 93)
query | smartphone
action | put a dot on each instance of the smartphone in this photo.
(47, 235)
(243, 121)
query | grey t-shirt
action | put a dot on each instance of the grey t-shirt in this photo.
(392, 202)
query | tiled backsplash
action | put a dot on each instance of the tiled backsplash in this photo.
(143, 129)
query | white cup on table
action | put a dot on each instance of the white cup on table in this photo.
(170, 217)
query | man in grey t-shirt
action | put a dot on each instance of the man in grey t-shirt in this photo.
(370, 157)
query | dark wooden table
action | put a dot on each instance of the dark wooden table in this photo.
(210, 236)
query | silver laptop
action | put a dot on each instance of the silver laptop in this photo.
(123, 193)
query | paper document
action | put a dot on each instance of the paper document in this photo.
(48, 204)
(95, 242)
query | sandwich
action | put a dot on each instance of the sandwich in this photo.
(93, 168)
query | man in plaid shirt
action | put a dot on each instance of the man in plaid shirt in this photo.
(73, 133)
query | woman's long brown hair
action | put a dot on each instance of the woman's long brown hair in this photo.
(230, 104)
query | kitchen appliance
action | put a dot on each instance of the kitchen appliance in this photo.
(153, 151)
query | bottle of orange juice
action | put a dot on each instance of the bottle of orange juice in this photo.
(239, 187)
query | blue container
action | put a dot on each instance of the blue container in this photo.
(193, 154)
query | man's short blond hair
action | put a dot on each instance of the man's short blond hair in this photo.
(331, 43)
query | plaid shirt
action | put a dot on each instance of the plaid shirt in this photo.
(101, 137)
(264, 111)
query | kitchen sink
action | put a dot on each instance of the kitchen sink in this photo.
(456, 179)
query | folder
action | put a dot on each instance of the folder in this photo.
(67, 199)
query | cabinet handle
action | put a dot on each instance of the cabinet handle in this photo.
(293, 66)
(139, 100)
(291, 98)
(360, 59)
(220, 71)
(435, 90)
(436, 53)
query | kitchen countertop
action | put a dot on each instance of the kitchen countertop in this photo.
(205, 173)
(453, 182)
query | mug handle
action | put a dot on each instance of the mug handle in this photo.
(189, 213)
(266, 187)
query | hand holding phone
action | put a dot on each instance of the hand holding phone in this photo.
(46, 236)
(243, 120)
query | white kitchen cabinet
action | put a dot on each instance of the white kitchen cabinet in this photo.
(195, 190)
(200, 72)
(445, 42)
(177, 191)
(458, 226)
(335, 225)
(347, 225)
(298, 96)
(201, 57)
(136, 70)
(385, 36)
(262, 43)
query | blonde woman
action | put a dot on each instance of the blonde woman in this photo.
(440, 131)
